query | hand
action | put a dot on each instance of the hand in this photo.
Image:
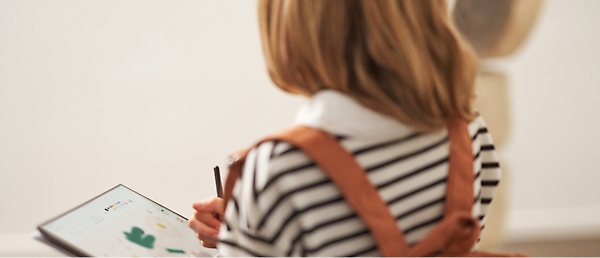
(205, 221)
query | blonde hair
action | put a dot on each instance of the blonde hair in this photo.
(404, 59)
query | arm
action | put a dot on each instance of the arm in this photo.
(487, 169)
(257, 219)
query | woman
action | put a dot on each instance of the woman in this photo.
(383, 76)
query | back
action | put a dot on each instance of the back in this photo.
(285, 205)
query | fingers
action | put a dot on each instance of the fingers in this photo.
(204, 232)
(205, 222)
(208, 219)
(198, 225)
(209, 211)
(213, 205)
(209, 243)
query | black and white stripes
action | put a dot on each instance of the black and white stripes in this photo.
(284, 205)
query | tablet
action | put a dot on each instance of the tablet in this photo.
(122, 222)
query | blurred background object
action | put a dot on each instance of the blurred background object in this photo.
(497, 29)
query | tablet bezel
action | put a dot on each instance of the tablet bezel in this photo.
(74, 249)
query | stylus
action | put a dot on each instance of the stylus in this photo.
(218, 182)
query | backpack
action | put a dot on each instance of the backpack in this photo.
(455, 235)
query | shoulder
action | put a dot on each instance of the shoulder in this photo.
(273, 164)
(263, 210)
(477, 127)
(481, 136)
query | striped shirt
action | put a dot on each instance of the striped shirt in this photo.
(284, 205)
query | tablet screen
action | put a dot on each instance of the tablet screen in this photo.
(121, 222)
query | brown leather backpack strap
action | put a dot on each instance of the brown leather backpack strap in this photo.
(458, 231)
(454, 236)
(235, 161)
(459, 191)
(463, 228)
(350, 179)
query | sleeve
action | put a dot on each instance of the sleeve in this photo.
(258, 220)
(487, 170)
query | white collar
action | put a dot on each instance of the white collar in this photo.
(339, 114)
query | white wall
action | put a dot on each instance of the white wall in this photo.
(553, 151)
(154, 94)
(150, 94)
